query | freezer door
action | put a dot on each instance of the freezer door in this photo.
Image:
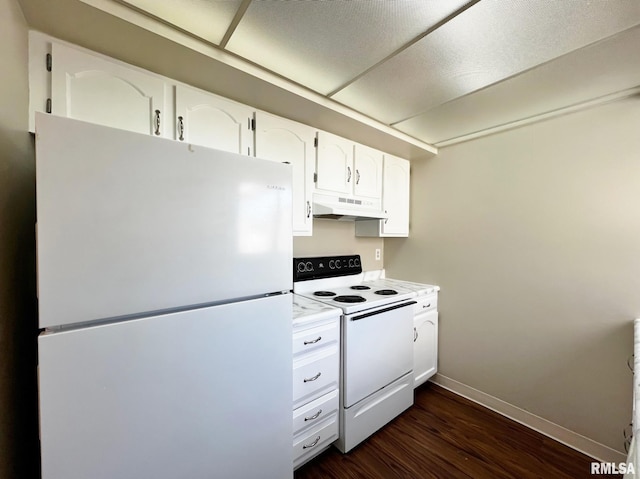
(198, 394)
(129, 224)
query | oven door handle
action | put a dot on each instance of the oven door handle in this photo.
(384, 310)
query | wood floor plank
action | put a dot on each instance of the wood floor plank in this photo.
(445, 436)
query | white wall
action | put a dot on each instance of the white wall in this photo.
(18, 322)
(534, 237)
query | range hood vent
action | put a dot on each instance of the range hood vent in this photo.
(345, 209)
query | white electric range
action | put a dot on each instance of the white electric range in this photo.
(376, 342)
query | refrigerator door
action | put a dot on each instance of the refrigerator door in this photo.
(129, 224)
(196, 394)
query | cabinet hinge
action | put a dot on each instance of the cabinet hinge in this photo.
(315, 177)
(49, 62)
(253, 124)
(315, 142)
(48, 106)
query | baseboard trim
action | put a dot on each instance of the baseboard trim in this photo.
(583, 444)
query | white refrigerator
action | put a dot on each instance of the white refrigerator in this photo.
(164, 278)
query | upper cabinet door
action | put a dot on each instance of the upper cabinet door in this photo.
(334, 164)
(368, 172)
(395, 199)
(208, 120)
(89, 88)
(279, 139)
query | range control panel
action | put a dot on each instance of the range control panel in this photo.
(325, 267)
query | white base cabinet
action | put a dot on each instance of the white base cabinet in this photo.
(316, 365)
(425, 339)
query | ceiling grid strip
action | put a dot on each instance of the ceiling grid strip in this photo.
(413, 41)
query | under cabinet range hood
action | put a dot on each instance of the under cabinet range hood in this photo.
(346, 209)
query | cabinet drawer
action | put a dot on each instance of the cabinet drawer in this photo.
(315, 375)
(307, 445)
(426, 303)
(314, 338)
(315, 412)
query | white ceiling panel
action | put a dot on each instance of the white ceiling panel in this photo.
(601, 69)
(324, 44)
(207, 19)
(491, 41)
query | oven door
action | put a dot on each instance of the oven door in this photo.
(377, 349)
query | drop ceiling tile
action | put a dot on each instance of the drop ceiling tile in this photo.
(323, 44)
(601, 69)
(207, 19)
(491, 41)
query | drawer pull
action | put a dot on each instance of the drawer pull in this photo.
(307, 446)
(308, 380)
(315, 416)
(426, 306)
(314, 341)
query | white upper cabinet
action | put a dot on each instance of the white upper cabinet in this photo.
(367, 171)
(334, 164)
(279, 139)
(348, 168)
(208, 120)
(90, 88)
(395, 201)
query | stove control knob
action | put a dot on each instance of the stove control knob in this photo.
(301, 267)
(356, 262)
(338, 265)
(332, 264)
(309, 266)
(351, 263)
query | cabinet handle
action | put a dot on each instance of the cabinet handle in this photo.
(308, 380)
(315, 416)
(426, 306)
(307, 446)
(348, 174)
(415, 335)
(357, 177)
(180, 128)
(314, 341)
(308, 209)
(156, 120)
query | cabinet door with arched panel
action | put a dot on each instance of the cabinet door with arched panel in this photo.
(91, 88)
(334, 164)
(279, 139)
(206, 119)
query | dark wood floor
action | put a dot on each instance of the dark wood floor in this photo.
(446, 436)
